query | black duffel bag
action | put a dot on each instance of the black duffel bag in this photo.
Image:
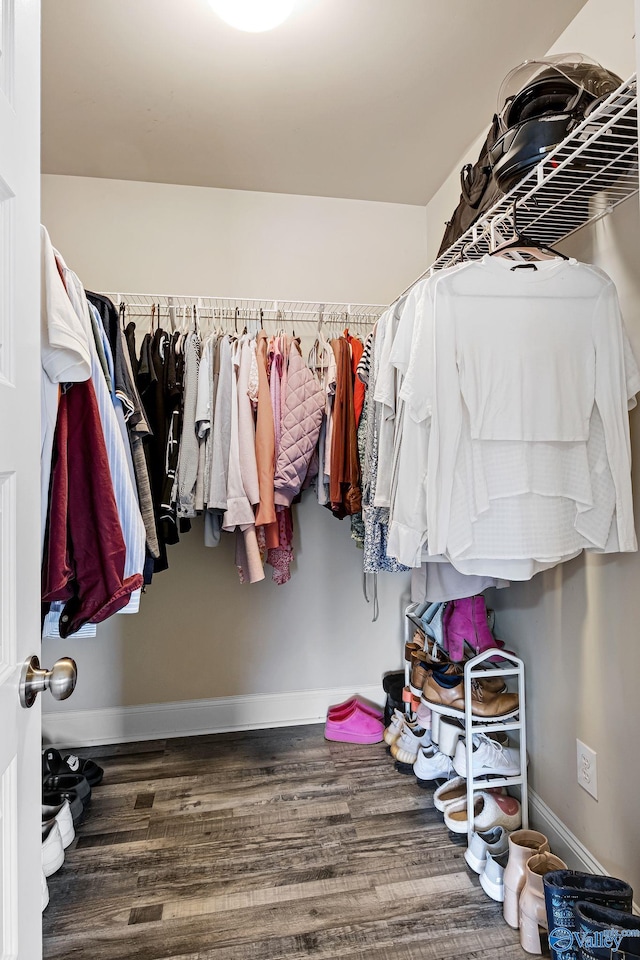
(479, 192)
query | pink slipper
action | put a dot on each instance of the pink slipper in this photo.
(357, 726)
(348, 705)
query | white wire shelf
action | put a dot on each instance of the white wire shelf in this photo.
(141, 304)
(593, 170)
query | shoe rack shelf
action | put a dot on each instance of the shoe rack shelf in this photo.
(476, 669)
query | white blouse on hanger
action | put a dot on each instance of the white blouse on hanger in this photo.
(521, 503)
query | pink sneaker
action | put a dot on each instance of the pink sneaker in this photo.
(348, 705)
(357, 726)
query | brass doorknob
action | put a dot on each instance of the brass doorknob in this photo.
(60, 680)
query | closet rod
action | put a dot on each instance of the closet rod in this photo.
(587, 175)
(280, 309)
(353, 318)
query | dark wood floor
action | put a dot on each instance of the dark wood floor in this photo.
(266, 845)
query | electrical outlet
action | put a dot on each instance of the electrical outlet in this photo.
(587, 769)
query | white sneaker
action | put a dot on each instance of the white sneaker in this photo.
(395, 728)
(407, 746)
(494, 842)
(64, 819)
(52, 849)
(432, 764)
(44, 890)
(488, 758)
(492, 877)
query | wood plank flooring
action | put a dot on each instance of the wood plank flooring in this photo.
(266, 845)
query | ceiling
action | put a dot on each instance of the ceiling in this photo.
(365, 99)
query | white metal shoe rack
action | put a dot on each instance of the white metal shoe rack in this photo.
(477, 669)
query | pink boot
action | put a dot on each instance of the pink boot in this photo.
(465, 621)
(357, 726)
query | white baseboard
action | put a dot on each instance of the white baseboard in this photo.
(157, 721)
(562, 841)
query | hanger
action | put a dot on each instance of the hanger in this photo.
(317, 359)
(527, 245)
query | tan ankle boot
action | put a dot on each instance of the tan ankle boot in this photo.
(522, 845)
(532, 910)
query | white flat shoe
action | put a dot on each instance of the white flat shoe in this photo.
(449, 792)
(494, 842)
(492, 877)
(490, 810)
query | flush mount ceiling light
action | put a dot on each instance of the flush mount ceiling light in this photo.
(254, 16)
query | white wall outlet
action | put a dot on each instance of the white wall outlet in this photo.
(587, 769)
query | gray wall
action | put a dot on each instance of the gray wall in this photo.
(200, 633)
(578, 626)
(578, 629)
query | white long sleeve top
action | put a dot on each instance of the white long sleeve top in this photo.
(492, 348)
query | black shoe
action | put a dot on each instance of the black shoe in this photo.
(392, 679)
(393, 685)
(54, 763)
(68, 781)
(86, 768)
(53, 799)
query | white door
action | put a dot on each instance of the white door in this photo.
(20, 735)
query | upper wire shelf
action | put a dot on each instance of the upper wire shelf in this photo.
(587, 175)
(141, 304)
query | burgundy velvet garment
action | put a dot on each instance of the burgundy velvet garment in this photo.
(84, 550)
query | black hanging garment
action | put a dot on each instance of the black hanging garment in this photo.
(161, 392)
